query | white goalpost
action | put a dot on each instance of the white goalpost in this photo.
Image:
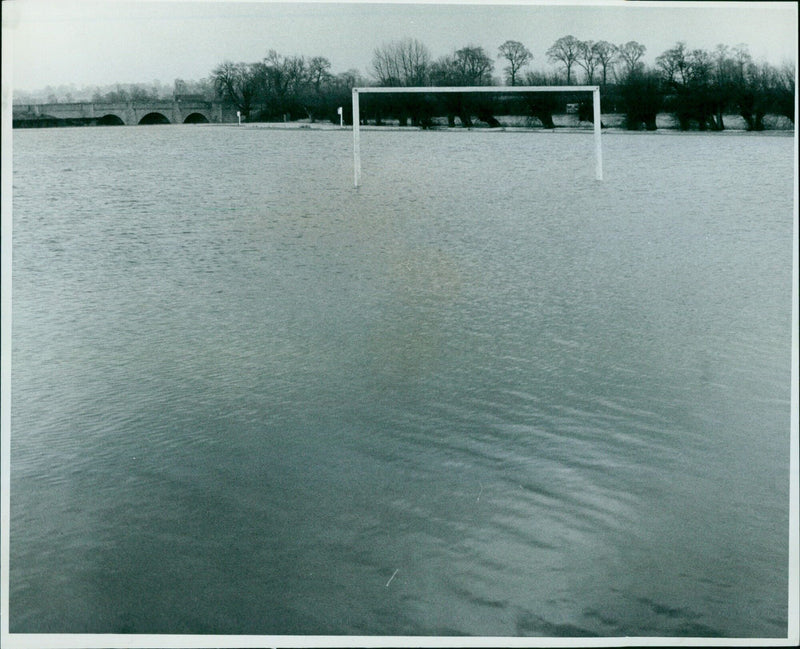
(357, 92)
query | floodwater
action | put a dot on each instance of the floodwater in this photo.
(484, 394)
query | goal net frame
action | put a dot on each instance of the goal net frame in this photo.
(357, 92)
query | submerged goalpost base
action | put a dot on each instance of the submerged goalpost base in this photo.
(595, 90)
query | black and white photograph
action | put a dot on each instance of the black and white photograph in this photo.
(408, 324)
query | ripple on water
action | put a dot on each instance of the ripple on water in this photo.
(545, 406)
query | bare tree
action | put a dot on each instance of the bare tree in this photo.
(349, 79)
(517, 55)
(690, 76)
(203, 87)
(443, 72)
(238, 83)
(675, 66)
(742, 59)
(469, 66)
(587, 59)
(414, 61)
(701, 66)
(473, 66)
(283, 79)
(319, 72)
(783, 90)
(401, 63)
(754, 88)
(179, 87)
(631, 54)
(606, 53)
(384, 66)
(566, 51)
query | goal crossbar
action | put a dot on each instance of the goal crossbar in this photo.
(357, 92)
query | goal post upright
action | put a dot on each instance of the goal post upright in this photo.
(356, 139)
(357, 92)
(598, 143)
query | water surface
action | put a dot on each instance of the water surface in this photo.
(484, 394)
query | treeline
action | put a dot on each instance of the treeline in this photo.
(285, 87)
(202, 89)
(113, 92)
(697, 86)
(154, 91)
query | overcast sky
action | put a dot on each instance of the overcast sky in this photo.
(88, 43)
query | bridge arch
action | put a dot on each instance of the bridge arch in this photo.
(153, 118)
(110, 120)
(196, 118)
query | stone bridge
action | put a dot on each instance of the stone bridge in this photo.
(124, 113)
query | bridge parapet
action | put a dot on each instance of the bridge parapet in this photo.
(129, 113)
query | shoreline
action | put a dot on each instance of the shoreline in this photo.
(613, 124)
(587, 128)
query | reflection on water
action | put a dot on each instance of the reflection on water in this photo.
(483, 394)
